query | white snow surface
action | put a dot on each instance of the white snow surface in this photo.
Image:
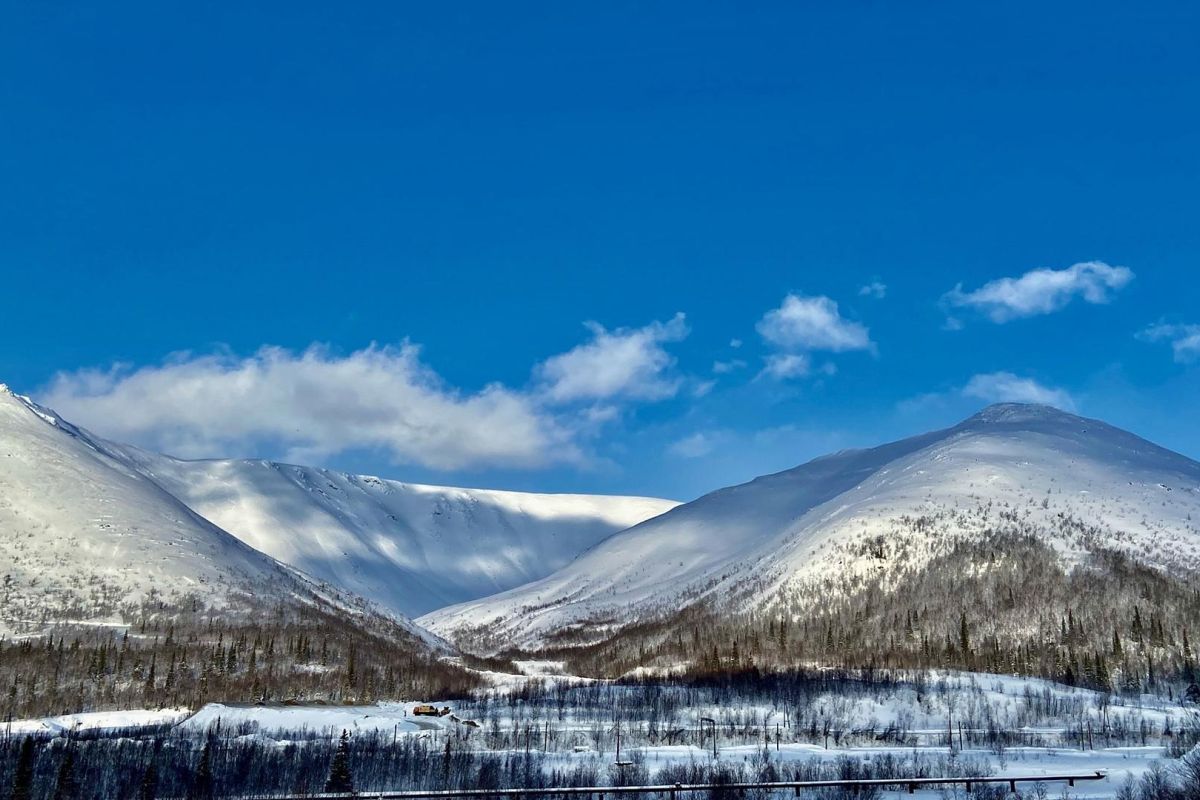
(790, 529)
(330, 720)
(95, 721)
(408, 547)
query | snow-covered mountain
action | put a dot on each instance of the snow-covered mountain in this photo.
(85, 537)
(1079, 483)
(409, 547)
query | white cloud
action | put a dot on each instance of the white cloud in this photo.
(1041, 291)
(307, 406)
(812, 323)
(735, 343)
(311, 405)
(725, 367)
(803, 325)
(697, 445)
(1005, 387)
(874, 289)
(783, 366)
(1184, 339)
(628, 363)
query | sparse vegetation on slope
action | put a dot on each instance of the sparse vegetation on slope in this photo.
(1003, 602)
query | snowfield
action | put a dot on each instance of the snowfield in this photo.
(95, 721)
(288, 722)
(411, 548)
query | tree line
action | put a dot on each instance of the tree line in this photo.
(186, 655)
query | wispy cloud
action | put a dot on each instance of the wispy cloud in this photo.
(874, 289)
(697, 445)
(725, 367)
(784, 366)
(1184, 339)
(1005, 387)
(1040, 291)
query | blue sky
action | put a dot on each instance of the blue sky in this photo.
(646, 248)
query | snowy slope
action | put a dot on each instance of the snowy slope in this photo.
(81, 529)
(84, 536)
(409, 547)
(1031, 464)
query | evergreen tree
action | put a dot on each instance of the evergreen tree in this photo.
(148, 789)
(22, 785)
(66, 787)
(340, 779)
(149, 688)
(201, 787)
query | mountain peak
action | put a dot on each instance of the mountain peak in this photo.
(1021, 413)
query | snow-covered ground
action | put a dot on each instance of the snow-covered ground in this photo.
(286, 722)
(95, 721)
(796, 527)
(584, 733)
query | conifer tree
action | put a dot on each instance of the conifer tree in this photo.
(22, 785)
(149, 688)
(148, 789)
(201, 787)
(66, 787)
(340, 778)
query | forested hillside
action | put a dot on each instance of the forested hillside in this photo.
(1004, 603)
(186, 656)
